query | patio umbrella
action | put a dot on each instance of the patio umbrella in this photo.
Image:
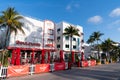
(18, 56)
(61, 55)
(48, 56)
(32, 57)
(72, 57)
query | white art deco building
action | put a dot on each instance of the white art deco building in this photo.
(37, 42)
(42, 41)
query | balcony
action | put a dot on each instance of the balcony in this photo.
(49, 45)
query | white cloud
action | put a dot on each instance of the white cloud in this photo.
(68, 7)
(72, 6)
(115, 12)
(119, 29)
(95, 19)
(114, 24)
(76, 5)
(117, 22)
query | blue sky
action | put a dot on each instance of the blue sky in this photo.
(93, 15)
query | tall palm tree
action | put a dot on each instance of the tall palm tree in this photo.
(107, 46)
(71, 31)
(96, 36)
(91, 41)
(10, 19)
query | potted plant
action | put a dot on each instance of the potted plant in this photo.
(98, 62)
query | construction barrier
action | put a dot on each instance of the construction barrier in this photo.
(17, 70)
(93, 62)
(59, 66)
(20, 70)
(84, 63)
(40, 68)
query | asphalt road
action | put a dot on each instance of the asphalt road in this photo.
(101, 72)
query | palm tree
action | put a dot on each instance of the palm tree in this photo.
(4, 57)
(107, 46)
(10, 19)
(71, 31)
(91, 41)
(96, 36)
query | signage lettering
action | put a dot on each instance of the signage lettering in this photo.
(27, 43)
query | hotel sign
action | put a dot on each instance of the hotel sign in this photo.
(27, 43)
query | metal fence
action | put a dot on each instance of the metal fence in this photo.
(3, 72)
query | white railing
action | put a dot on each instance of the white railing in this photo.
(3, 72)
(32, 69)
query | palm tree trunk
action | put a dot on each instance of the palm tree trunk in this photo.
(71, 48)
(98, 50)
(6, 37)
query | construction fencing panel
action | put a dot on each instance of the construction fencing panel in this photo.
(40, 68)
(18, 70)
(59, 66)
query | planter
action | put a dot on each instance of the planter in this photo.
(98, 63)
(107, 62)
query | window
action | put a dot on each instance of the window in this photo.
(58, 30)
(66, 46)
(74, 46)
(82, 41)
(74, 39)
(39, 29)
(58, 38)
(82, 33)
(50, 31)
(67, 37)
(58, 46)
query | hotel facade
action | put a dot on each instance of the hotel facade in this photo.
(63, 41)
(42, 42)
